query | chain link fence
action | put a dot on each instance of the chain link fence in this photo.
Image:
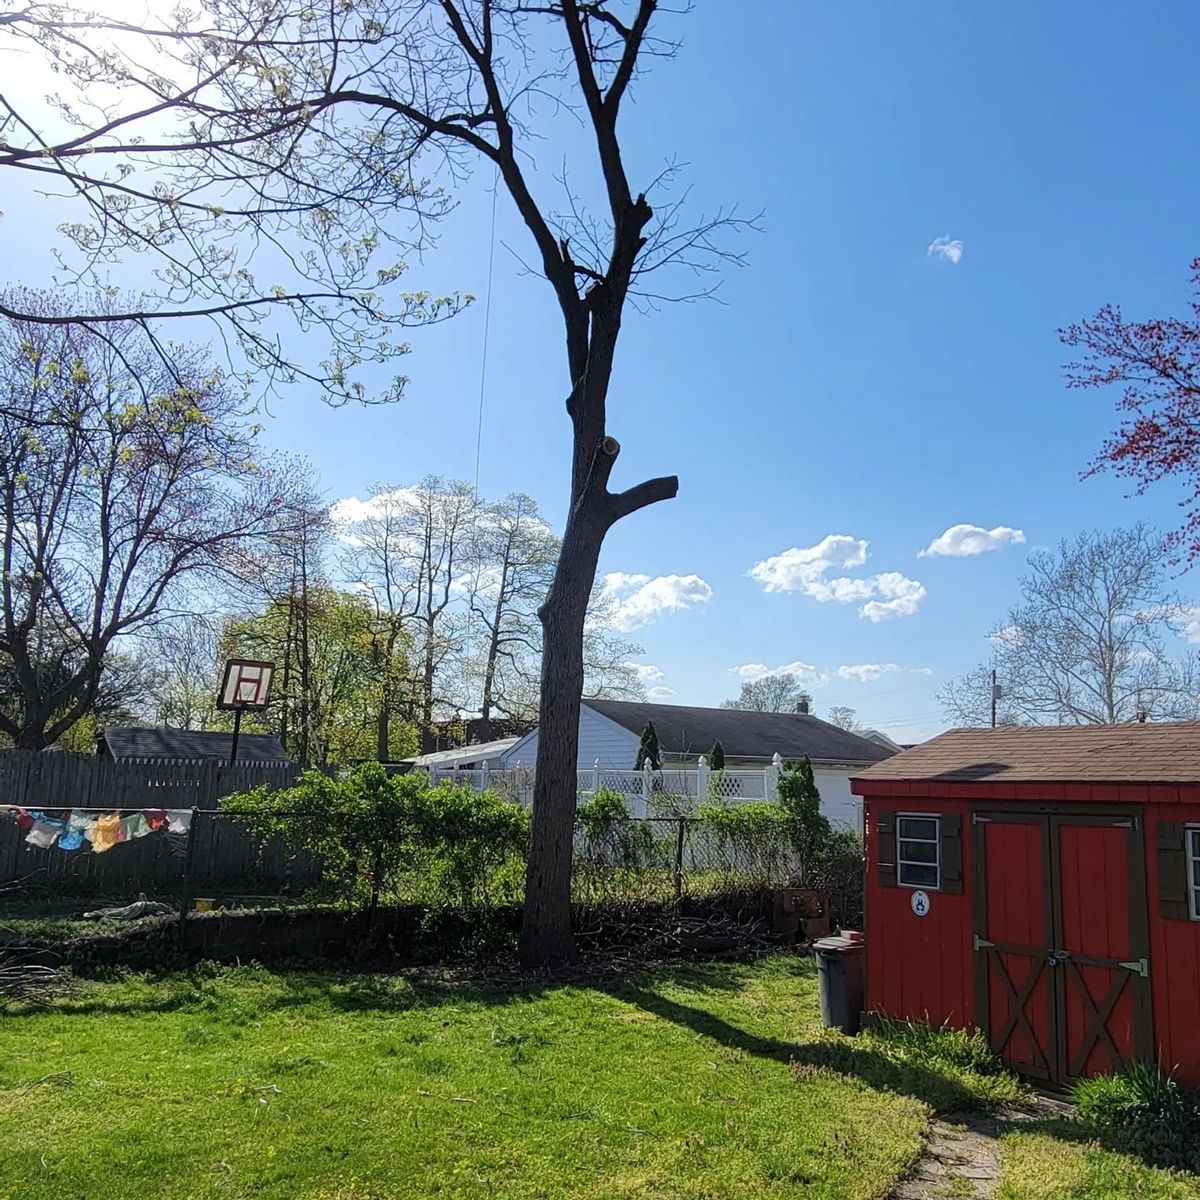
(223, 858)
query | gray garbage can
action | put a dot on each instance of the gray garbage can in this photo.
(840, 979)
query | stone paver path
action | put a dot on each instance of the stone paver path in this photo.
(962, 1154)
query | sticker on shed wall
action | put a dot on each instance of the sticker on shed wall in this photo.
(920, 903)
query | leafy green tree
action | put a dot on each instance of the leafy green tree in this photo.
(326, 709)
(648, 751)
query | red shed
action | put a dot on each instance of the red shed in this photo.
(1044, 885)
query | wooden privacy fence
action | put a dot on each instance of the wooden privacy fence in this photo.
(225, 853)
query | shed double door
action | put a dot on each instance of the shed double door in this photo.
(1061, 942)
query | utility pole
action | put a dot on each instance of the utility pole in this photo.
(995, 696)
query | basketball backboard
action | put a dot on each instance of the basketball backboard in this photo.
(246, 684)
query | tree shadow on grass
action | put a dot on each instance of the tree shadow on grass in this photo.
(862, 1061)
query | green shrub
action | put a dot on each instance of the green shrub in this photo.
(378, 834)
(1146, 1113)
(611, 837)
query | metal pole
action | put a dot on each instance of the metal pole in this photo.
(185, 886)
(679, 860)
(993, 698)
(237, 731)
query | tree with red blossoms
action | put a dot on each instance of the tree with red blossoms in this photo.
(1157, 362)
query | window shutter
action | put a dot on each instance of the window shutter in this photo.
(952, 853)
(1172, 872)
(885, 849)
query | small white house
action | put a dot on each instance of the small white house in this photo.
(611, 730)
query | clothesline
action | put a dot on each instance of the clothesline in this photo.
(80, 830)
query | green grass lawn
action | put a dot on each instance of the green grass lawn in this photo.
(702, 1082)
(247, 1083)
(1061, 1164)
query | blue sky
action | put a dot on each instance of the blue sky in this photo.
(851, 383)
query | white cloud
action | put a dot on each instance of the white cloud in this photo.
(646, 672)
(901, 597)
(963, 541)
(1186, 621)
(946, 248)
(802, 672)
(866, 672)
(805, 569)
(638, 599)
(921, 671)
(660, 693)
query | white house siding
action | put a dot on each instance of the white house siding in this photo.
(599, 738)
(837, 801)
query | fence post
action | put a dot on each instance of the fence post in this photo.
(483, 777)
(647, 786)
(771, 778)
(595, 776)
(679, 859)
(185, 883)
(702, 776)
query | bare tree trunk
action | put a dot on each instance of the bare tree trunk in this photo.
(546, 927)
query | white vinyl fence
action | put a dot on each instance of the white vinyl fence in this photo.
(644, 790)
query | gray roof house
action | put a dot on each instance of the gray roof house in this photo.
(610, 730)
(131, 744)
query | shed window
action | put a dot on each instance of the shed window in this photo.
(918, 844)
(1193, 860)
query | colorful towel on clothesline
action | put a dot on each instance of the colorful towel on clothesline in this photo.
(79, 829)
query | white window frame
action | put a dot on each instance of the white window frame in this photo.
(935, 841)
(1191, 845)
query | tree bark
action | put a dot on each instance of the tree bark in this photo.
(546, 927)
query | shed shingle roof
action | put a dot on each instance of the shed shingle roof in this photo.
(1150, 753)
(687, 731)
(189, 745)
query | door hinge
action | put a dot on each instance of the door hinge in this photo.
(983, 944)
(1127, 823)
(977, 819)
(1140, 965)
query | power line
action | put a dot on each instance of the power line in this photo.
(487, 322)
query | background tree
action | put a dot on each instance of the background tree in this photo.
(648, 751)
(326, 710)
(716, 757)
(1156, 363)
(184, 664)
(772, 693)
(123, 484)
(515, 553)
(1088, 642)
(414, 550)
(156, 144)
(844, 718)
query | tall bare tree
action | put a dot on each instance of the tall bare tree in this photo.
(414, 550)
(324, 116)
(123, 484)
(1088, 643)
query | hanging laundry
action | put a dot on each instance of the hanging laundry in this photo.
(179, 820)
(134, 826)
(45, 831)
(106, 832)
(79, 829)
(23, 819)
(157, 818)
